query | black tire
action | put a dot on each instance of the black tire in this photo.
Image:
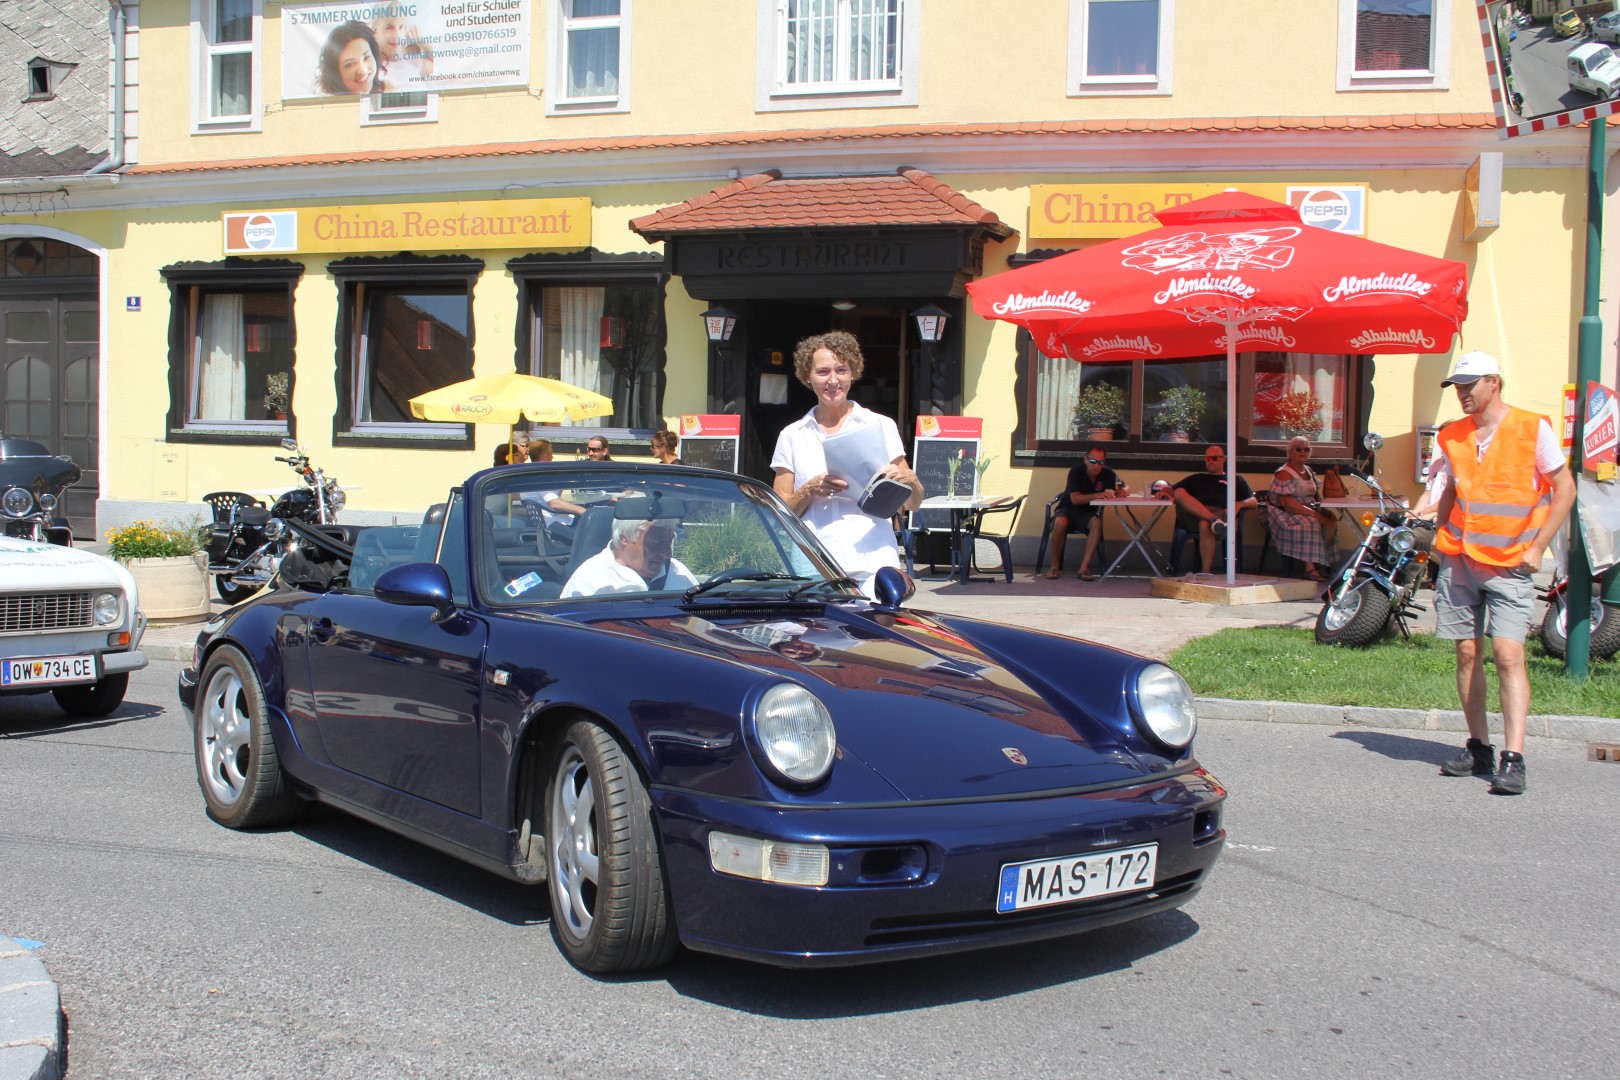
(598, 814)
(1605, 635)
(1358, 619)
(230, 592)
(97, 699)
(238, 768)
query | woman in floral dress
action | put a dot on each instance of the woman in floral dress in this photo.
(1299, 530)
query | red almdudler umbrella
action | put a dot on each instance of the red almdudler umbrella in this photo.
(1231, 273)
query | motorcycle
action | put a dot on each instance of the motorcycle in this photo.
(1605, 631)
(1380, 580)
(248, 542)
(34, 481)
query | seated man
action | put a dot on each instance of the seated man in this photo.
(638, 557)
(1201, 502)
(557, 514)
(1087, 483)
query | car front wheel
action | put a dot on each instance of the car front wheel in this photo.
(609, 904)
(97, 699)
(237, 766)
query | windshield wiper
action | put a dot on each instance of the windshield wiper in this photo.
(728, 576)
(825, 583)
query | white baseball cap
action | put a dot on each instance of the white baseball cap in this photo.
(1470, 366)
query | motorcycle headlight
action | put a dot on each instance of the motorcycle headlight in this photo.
(47, 502)
(336, 499)
(794, 733)
(1163, 705)
(1402, 540)
(274, 528)
(107, 608)
(17, 501)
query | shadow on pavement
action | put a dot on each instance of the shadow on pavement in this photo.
(29, 716)
(905, 985)
(1404, 747)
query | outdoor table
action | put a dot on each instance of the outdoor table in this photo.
(964, 511)
(1137, 529)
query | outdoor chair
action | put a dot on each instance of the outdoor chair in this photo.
(1186, 535)
(1052, 505)
(224, 505)
(990, 549)
(924, 535)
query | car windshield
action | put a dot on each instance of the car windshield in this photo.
(580, 531)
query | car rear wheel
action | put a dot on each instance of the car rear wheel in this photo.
(237, 766)
(609, 903)
(97, 699)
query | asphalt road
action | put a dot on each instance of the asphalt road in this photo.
(1370, 918)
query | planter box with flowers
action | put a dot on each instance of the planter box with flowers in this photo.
(277, 394)
(1300, 413)
(1099, 409)
(1180, 411)
(168, 565)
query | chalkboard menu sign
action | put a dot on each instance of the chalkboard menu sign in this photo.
(939, 439)
(710, 441)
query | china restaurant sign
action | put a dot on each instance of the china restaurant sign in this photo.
(1091, 211)
(386, 227)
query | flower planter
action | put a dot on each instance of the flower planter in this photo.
(1177, 436)
(172, 589)
(1100, 434)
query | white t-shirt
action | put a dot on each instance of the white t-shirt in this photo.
(1549, 459)
(602, 573)
(859, 542)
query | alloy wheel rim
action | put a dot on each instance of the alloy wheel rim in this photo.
(224, 737)
(1339, 614)
(575, 861)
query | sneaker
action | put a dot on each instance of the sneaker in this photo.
(1477, 759)
(1510, 778)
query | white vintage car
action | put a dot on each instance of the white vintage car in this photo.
(69, 624)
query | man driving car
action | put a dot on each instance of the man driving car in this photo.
(638, 557)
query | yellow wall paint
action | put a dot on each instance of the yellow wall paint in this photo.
(976, 67)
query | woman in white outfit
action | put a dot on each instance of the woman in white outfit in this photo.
(829, 364)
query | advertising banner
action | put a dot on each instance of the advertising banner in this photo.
(449, 226)
(335, 50)
(1084, 211)
(1601, 431)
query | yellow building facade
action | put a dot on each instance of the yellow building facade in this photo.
(563, 187)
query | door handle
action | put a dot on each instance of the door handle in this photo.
(322, 631)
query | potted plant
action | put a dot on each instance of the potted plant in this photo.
(1300, 413)
(1180, 408)
(277, 388)
(169, 568)
(1099, 409)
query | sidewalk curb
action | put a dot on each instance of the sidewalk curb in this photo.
(1568, 728)
(30, 1017)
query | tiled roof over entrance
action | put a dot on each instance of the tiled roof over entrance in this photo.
(767, 201)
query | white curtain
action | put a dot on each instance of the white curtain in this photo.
(1057, 386)
(221, 355)
(580, 337)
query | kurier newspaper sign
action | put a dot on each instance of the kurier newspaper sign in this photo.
(412, 46)
(464, 225)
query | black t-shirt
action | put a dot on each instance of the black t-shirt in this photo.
(1210, 489)
(1080, 480)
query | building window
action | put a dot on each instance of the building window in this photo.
(1279, 395)
(231, 347)
(228, 35)
(606, 338)
(44, 76)
(1394, 45)
(1120, 46)
(590, 56)
(404, 107)
(406, 328)
(818, 54)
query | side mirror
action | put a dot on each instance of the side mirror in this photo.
(1373, 441)
(892, 587)
(421, 584)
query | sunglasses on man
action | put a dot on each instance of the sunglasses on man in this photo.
(1094, 461)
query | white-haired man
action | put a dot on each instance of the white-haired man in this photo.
(639, 557)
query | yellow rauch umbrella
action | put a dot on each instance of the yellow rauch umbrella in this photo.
(506, 399)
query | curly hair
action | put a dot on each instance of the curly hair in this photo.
(838, 342)
(665, 439)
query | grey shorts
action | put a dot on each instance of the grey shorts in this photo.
(1472, 600)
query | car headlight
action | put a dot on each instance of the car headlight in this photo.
(795, 734)
(107, 608)
(17, 501)
(1402, 540)
(1164, 706)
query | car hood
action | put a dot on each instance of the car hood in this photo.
(934, 715)
(51, 566)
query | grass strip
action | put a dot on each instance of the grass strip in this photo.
(1274, 663)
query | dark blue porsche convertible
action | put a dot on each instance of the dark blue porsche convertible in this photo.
(674, 711)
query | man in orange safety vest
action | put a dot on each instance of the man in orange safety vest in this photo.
(1505, 490)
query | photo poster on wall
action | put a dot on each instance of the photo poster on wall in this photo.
(939, 439)
(1426, 449)
(710, 440)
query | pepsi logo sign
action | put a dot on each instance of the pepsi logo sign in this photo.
(259, 231)
(1337, 209)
